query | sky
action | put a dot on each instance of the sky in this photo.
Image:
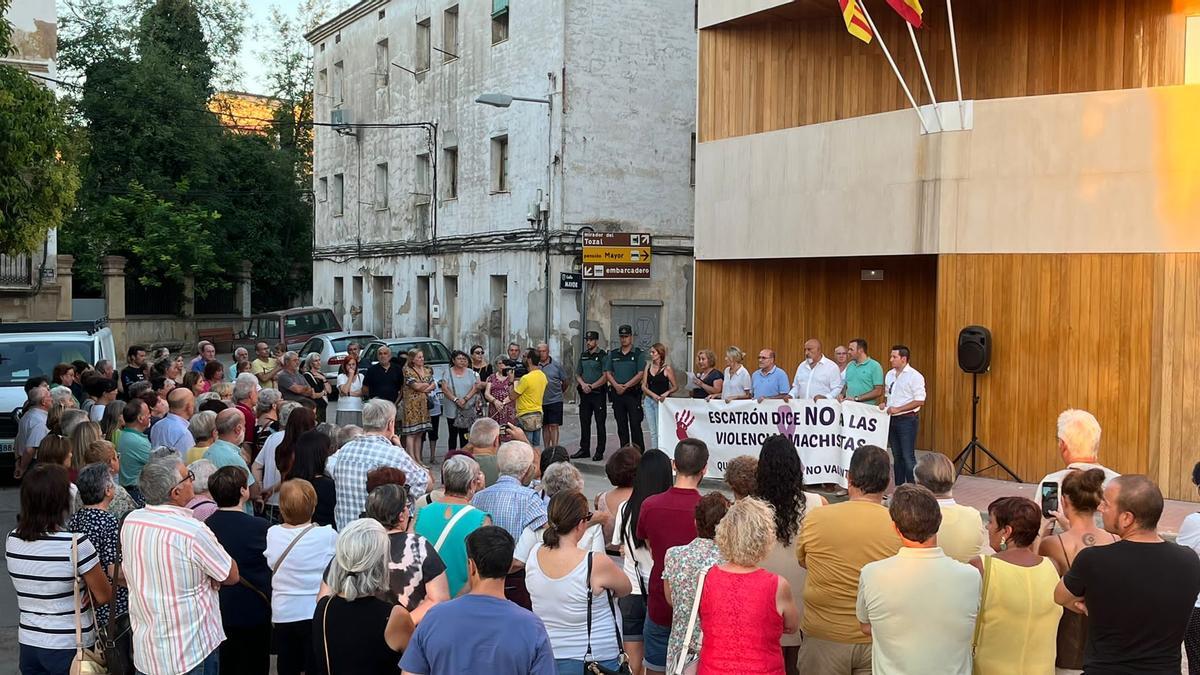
(254, 75)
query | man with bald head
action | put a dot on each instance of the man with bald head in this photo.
(1138, 593)
(172, 430)
(227, 451)
(817, 377)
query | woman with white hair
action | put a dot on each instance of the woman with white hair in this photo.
(560, 477)
(202, 505)
(449, 520)
(203, 428)
(266, 418)
(353, 630)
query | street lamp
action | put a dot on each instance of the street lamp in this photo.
(503, 101)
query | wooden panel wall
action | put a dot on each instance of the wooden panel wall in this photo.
(782, 303)
(1069, 331)
(1175, 389)
(761, 76)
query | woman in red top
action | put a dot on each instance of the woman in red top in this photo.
(744, 609)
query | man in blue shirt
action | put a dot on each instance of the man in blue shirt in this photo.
(503, 639)
(769, 380)
(172, 430)
(227, 451)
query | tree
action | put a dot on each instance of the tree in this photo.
(37, 182)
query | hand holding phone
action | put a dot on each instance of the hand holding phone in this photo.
(1049, 499)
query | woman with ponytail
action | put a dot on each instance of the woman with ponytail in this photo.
(561, 577)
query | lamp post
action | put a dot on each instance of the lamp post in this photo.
(504, 101)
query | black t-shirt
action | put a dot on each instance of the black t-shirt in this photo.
(384, 384)
(129, 375)
(245, 539)
(354, 639)
(1139, 597)
(710, 379)
(326, 500)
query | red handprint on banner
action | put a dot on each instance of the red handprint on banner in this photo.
(683, 420)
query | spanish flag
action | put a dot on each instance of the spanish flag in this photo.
(909, 10)
(856, 21)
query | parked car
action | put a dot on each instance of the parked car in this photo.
(437, 356)
(293, 327)
(32, 349)
(332, 348)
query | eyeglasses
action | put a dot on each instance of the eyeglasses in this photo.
(189, 477)
(763, 358)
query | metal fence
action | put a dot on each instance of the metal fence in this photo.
(16, 270)
(218, 301)
(164, 299)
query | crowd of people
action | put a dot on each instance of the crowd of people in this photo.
(229, 525)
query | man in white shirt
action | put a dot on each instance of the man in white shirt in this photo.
(31, 429)
(919, 606)
(1079, 445)
(817, 377)
(905, 394)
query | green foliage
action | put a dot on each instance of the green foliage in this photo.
(37, 181)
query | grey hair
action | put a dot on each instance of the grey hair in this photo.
(561, 477)
(457, 474)
(102, 365)
(203, 469)
(1080, 432)
(243, 387)
(359, 568)
(347, 433)
(288, 356)
(63, 395)
(484, 432)
(241, 350)
(164, 451)
(285, 411)
(309, 359)
(227, 421)
(267, 399)
(514, 458)
(38, 395)
(159, 477)
(386, 504)
(138, 388)
(202, 425)
(206, 397)
(93, 483)
(70, 419)
(377, 413)
(223, 390)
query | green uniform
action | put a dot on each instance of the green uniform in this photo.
(625, 366)
(862, 378)
(591, 365)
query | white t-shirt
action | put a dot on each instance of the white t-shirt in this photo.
(592, 540)
(1189, 535)
(347, 403)
(295, 585)
(737, 384)
(645, 561)
(96, 413)
(271, 475)
(1058, 476)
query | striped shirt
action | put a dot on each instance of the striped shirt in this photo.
(174, 565)
(512, 506)
(45, 584)
(358, 458)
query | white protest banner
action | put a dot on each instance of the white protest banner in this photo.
(825, 432)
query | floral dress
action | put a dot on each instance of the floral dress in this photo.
(502, 388)
(102, 530)
(681, 569)
(414, 416)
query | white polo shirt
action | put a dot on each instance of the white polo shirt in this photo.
(737, 383)
(817, 379)
(904, 387)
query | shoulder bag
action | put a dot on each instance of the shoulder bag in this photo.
(286, 551)
(87, 661)
(116, 636)
(437, 546)
(591, 667)
(637, 569)
(689, 665)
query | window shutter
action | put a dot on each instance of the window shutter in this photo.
(499, 7)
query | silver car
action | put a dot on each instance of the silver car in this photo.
(332, 348)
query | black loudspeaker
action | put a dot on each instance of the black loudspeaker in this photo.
(975, 349)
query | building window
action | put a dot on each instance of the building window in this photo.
(1191, 51)
(450, 172)
(337, 39)
(500, 23)
(450, 34)
(500, 164)
(322, 46)
(423, 45)
(381, 185)
(339, 194)
(339, 80)
(323, 82)
(421, 179)
(322, 189)
(692, 168)
(381, 15)
(381, 64)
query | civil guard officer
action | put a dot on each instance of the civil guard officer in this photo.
(592, 385)
(625, 368)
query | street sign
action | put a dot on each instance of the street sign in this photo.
(616, 255)
(570, 281)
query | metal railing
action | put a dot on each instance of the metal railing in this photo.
(16, 270)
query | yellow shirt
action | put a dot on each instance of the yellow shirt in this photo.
(196, 454)
(530, 390)
(835, 543)
(258, 366)
(1017, 628)
(962, 535)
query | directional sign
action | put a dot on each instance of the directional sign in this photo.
(616, 255)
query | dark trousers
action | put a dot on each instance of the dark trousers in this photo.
(515, 589)
(457, 437)
(246, 650)
(43, 661)
(627, 409)
(593, 405)
(293, 647)
(902, 437)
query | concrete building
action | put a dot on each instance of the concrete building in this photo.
(37, 285)
(1066, 218)
(439, 215)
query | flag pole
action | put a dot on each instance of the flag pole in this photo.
(925, 73)
(962, 115)
(888, 54)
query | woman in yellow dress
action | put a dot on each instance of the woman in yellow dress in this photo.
(1017, 627)
(414, 403)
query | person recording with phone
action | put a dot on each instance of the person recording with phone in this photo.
(497, 391)
(1079, 446)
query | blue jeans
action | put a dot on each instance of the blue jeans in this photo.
(575, 666)
(650, 412)
(535, 438)
(43, 661)
(902, 437)
(209, 666)
(655, 638)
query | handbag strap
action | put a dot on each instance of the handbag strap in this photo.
(286, 551)
(437, 546)
(112, 602)
(325, 634)
(242, 582)
(587, 655)
(612, 607)
(625, 539)
(78, 607)
(691, 626)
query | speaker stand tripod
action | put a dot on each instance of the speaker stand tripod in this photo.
(967, 454)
